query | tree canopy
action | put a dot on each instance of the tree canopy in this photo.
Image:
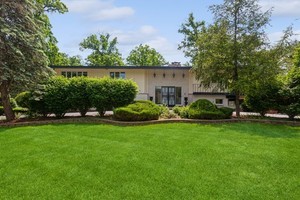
(22, 45)
(227, 50)
(144, 55)
(104, 50)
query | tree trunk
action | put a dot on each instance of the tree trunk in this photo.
(8, 111)
(237, 104)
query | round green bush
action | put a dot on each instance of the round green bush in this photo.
(138, 111)
(204, 109)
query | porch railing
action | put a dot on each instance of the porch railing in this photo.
(200, 89)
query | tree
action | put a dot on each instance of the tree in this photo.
(22, 57)
(144, 55)
(191, 30)
(52, 51)
(227, 49)
(290, 93)
(104, 51)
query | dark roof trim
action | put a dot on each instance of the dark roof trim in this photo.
(118, 67)
(211, 93)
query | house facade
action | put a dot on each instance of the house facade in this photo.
(163, 85)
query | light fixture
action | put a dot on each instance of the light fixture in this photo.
(154, 75)
(173, 75)
(183, 75)
(164, 75)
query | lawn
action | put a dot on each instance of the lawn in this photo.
(168, 161)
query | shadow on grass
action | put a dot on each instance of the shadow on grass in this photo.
(264, 130)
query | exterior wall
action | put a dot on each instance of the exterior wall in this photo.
(159, 80)
(148, 79)
(137, 75)
(211, 98)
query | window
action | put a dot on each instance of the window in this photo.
(219, 101)
(73, 74)
(178, 95)
(117, 75)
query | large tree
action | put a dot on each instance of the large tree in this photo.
(227, 50)
(22, 45)
(104, 50)
(144, 55)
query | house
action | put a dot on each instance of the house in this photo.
(169, 85)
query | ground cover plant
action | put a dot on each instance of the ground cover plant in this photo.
(167, 161)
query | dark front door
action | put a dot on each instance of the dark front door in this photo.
(168, 96)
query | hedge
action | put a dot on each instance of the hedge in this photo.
(204, 109)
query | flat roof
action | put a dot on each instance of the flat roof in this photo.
(120, 67)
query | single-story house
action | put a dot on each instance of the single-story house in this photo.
(167, 85)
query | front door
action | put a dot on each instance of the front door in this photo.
(168, 96)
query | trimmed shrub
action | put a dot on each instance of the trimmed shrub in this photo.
(138, 111)
(165, 113)
(204, 109)
(107, 94)
(23, 99)
(227, 111)
(79, 96)
(177, 109)
(57, 97)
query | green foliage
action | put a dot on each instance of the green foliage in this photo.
(225, 52)
(23, 98)
(104, 51)
(138, 111)
(107, 93)
(79, 96)
(227, 111)
(182, 111)
(204, 109)
(191, 30)
(22, 42)
(57, 96)
(166, 114)
(13, 103)
(290, 92)
(262, 97)
(144, 55)
(1, 110)
(20, 110)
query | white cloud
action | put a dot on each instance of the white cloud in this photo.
(276, 36)
(289, 8)
(99, 10)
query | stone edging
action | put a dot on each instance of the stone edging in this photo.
(94, 120)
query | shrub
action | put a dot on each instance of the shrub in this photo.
(182, 111)
(23, 99)
(56, 96)
(262, 97)
(79, 96)
(1, 110)
(204, 109)
(20, 110)
(107, 93)
(227, 111)
(165, 113)
(138, 111)
(177, 109)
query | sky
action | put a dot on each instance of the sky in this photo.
(151, 22)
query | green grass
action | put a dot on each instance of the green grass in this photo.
(169, 161)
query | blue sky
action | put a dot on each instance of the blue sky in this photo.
(152, 22)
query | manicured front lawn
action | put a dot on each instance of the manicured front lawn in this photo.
(169, 161)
